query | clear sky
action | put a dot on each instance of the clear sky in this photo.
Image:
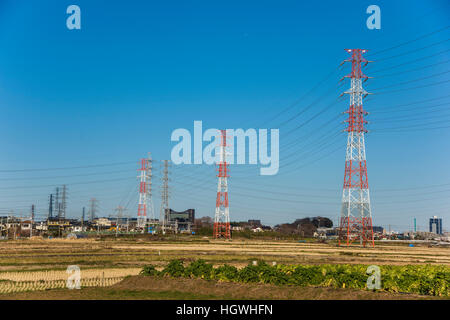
(81, 107)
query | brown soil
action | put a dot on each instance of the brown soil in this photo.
(49, 254)
(139, 287)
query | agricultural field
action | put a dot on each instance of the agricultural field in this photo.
(108, 266)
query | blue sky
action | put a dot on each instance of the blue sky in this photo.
(111, 92)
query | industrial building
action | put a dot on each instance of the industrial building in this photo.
(436, 225)
(180, 222)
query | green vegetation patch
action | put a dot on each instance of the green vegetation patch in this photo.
(418, 279)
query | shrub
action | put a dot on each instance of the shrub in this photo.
(175, 268)
(419, 279)
(149, 270)
(199, 269)
(225, 273)
(248, 274)
(271, 274)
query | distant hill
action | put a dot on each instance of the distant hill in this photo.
(305, 226)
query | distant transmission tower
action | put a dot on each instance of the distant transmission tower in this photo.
(163, 218)
(142, 206)
(222, 214)
(145, 206)
(356, 216)
(151, 208)
(92, 209)
(57, 205)
(62, 212)
(120, 210)
(50, 206)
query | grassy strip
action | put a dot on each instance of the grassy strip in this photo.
(418, 279)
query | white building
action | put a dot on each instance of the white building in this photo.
(103, 222)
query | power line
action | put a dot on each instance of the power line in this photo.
(303, 96)
(75, 183)
(66, 176)
(413, 117)
(392, 110)
(412, 70)
(412, 126)
(69, 168)
(408, 42)
(413, 51)
(414, 80)
(374, 72)
(412, 88)
(387, 130)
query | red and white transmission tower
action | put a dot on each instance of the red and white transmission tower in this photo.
(222, 215)
(145, 194)
(356, 215)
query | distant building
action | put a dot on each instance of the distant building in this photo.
(42, 226)
(254, 223)
(26, 225)
(378, 229)
(78, 228)
(181, 221)
(324, 233)
(103, 222)
(57, 225)
(436, 225)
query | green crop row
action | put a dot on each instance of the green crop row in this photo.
(418, 279)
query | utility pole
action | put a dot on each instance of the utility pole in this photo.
(82, 218)
(164, 197)
(222, 213)
(356, 215)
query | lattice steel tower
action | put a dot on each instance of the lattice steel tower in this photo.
(222, 214)
(93, 205)
(145, 206)
(163, 218)
(356, 216)
(63, 203)
(151, 208)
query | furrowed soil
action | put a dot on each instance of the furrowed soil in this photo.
(140, 287)
(31, 260)
(58, 254)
